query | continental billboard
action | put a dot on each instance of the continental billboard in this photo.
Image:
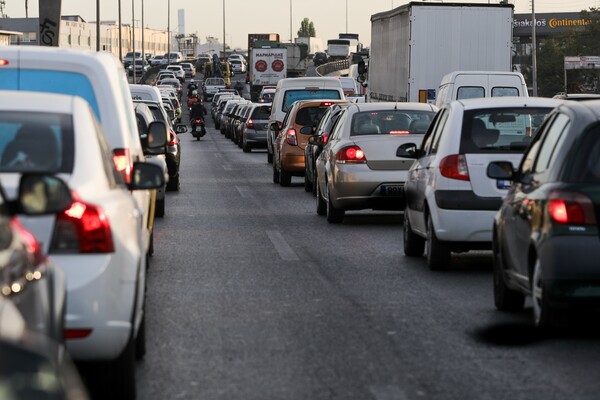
(547, 24)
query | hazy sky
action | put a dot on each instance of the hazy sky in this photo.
(205, 18)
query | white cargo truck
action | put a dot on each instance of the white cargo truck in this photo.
(415, 45)
(269, 66)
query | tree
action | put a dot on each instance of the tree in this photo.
(307, 28)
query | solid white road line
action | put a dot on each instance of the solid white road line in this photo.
(283, 248)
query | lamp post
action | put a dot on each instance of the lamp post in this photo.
(97, 25)
(120, 34)
(346, 16)
(133, 37)
(169, 32)
(533, 50)
(143, 45)
(224, 40)
(291, 40)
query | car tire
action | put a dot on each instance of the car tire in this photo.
(246, 148)
(269, 157)
(414, 245)
(544, 315)
(159, 211)
(438, 252)
(334, 215)
(150, 248)
(314, 191)
(308, 185)
(118, 377)
(140, 340)
(285, 178)
(173, 185)
(321, 205)
(505, 299)
(275, 174)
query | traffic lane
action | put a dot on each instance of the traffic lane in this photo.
(314, 317)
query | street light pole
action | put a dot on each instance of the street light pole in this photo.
(133, 37)
(533, 50)
(346, 16)
(143, 45)
(291, 40)
(120, 34)
(97, 25)
(224, 47)
(169, 32)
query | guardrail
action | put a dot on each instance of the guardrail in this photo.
(326, 69)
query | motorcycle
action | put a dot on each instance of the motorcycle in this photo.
(198, 128)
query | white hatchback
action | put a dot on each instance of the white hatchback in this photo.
(97, 240)
(450, 201)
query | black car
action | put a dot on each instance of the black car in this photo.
(545, 238)
(317, 141)
(320, 58)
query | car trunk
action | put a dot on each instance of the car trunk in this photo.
(380, 150)
(483, 186)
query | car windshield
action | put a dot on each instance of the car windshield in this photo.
(308, 94)
(310, 116)
(390, 122)
(500, 129)
(36, 142)
(215, 82)
(261, 113)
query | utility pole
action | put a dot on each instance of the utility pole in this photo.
(169, 32)
(143, 45)
(224, 47)
(120, 34)
(97, 25)
(533, 50)
(133, 37)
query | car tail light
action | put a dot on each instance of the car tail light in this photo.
(250, 124)
(351, 155)
(3, 63)
(123, 164)
(399, 132)
(32, 245)
(455, 167)
(198, 121)
(326, 103)
(173, 141)
(77, 333)
(325, 138)
(83, 228)
(571, 208)
(291, 137)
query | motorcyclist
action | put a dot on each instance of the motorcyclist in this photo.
(192, 86)
(198, 111)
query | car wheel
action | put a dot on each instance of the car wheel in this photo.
(150, 248)
(118, 377)
(275, 174)
(246, 148)
(505, 299)
(544, 315)
(321, 205)
(314, 191)
(414, 245)
(173, 185)
(140, 340)
(269, 156)
(438, 253)
(159, 211)
(334, 215)
(308, 185)
(285, 178)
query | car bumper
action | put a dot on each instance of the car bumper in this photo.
(463, 225)
(570, 270)
(358, 187)
(293, 163)
(99, 298)
(255, 138)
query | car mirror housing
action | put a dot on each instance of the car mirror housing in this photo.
(500, 170)
(181, 128)
(146, 176)
(408, 150)
(274, 127)
(157, 135)
(306, 130)
(43, 194)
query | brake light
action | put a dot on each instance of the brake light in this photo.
(326, 103)
(351, 155)
(198, 121)
(250, 124)
(122, 163)
(83, 228)
(32, 245)
(455, 167)
(77, 333)
(325, 138)
(399, 132)
(571, 208)
(3, 63)
(291, 137)
(173, 141)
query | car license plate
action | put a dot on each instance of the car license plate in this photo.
(391, 190)
(503, 184)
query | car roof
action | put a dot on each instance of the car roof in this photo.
(48, 102)
(509, 101)
(405, 106)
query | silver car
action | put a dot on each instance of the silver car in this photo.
(358, 167)
(253, 131)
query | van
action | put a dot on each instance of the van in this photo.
(145, 93)
(100, 80)
(289, 90)
(175, 57)
(459, 85)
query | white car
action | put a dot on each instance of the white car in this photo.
(450, 200)
(96, 241)
(178, 71)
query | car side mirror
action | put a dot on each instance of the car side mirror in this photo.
(43, 194)
(274, 127)
(500, 170)
(171, 114)
(181, 128)
(317, 140)
(146, 176)
(408, 150)
(157, 136)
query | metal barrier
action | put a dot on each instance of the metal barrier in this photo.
(326, 69)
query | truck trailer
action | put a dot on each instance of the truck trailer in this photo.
(413, 46)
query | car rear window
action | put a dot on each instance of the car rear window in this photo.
(310, 116)
(214, 82)
(261, 113)
(500, 130)
(470, 92)
(586, 159)
(36, 142)
(291, 96)
(268, 97)
(390, 122)
(504, 91)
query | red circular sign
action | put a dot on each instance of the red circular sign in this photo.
(277, 65)
(261, 65)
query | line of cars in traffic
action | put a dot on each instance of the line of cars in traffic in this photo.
(516, 175)
(81, 167)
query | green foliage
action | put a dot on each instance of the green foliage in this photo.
(307, 28)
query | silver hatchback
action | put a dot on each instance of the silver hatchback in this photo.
(254, 128)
